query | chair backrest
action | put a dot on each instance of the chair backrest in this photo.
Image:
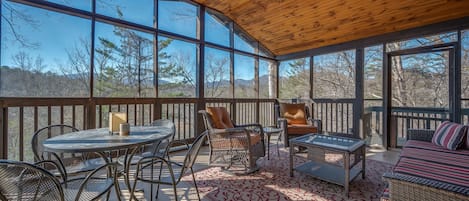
(24, 181)
(165, 123)
(45, 133)
(193, 151)
(219, 117)
(294, 109)
(162, 147)
(208, 122)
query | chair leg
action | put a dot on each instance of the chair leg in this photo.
(278, 151)
(151, 192)
(108, 194)
(117, 187)
(278, 141)
(134, 186)
(175, 193)
(195, 183)
(158, 185)
(151, 185)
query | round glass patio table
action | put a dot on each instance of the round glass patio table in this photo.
(100, 141)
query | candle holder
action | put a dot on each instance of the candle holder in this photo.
(124, 129)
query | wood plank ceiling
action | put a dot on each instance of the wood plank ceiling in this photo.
(289, 26)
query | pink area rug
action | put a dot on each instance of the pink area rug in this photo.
(272, 182)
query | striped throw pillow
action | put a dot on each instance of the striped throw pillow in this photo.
(449, 135)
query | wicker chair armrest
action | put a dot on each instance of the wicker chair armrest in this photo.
(229, 131)
(257, 128)
(420, 134)
(225, 134)
(317, 123)
(233, 130)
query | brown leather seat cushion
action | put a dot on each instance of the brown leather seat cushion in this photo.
(294, 113)
(220, 117)
(300, 129)
(237, 140)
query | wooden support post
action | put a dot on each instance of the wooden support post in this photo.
(200, 105)
(359, 97)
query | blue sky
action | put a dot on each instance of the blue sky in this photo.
(57, 33)
(52, 41)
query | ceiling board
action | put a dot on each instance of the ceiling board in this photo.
(289, 26)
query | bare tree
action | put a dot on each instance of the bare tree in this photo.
(78, 64)
(215, 79)
(334, 75)
(14, 18)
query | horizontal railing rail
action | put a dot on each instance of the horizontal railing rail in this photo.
(404, 118)
(22, 116)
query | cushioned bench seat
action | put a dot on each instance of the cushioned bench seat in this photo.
(434, 166)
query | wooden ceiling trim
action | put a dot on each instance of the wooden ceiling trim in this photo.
(288, 26)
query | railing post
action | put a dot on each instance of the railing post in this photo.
(392, 137)
(407, 122)
(156, 110)
(4, 131)
(427, 124)
(91, 114)
(233, 110)
(199, 123)
(258, 111)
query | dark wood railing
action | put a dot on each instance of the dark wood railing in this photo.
(404, 118)
(22, 116)
(336, 114)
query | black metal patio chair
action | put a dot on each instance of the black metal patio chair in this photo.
(160, 170)
(25, 181)
(70, 164)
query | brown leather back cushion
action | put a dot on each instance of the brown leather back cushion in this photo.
(294, 113)
(220, 117)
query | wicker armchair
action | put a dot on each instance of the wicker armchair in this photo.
(232, 144)
(295, 120)
(24, 181)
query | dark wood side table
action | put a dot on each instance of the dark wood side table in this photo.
(269, 131)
